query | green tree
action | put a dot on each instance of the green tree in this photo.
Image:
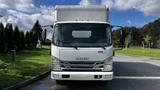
(9, 39)
(17, 38)
(148, 35)
(31, 39)
(158, 42)
(147, 40)
(35, 39)
(128, 40)
(37, 29)
(136, 36)
(1, 37)
(27, 40)
(22, 40)
(153, 29)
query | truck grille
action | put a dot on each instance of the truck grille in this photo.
(81, 66)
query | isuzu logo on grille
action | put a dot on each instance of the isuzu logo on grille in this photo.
(82, 58)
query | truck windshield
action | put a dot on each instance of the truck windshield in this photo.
(82, 35)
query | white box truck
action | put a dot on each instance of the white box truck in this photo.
(81, 45)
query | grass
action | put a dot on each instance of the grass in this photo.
(138, 51)
(29, 63)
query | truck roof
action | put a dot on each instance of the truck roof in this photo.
(82, 22)
(81, 7)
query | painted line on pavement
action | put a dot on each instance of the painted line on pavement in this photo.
(138, 77)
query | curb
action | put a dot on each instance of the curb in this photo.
(27, 82)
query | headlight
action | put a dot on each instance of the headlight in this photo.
(108, 64)
(56, 64)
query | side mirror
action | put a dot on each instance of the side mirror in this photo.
(115, 27)
(45, 30)
(44, 34)
(51, 26)
(120, 29)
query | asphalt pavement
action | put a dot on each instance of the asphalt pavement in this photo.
(130, 73)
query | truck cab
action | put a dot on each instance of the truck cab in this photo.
(82, 44)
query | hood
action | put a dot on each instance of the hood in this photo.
(85, 54)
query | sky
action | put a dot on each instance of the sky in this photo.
(24, 13)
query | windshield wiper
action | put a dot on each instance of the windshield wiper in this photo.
(75, 47)
(102, 46)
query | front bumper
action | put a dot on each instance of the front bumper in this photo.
(85, 76)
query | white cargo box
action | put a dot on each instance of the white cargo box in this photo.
(81, 13)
